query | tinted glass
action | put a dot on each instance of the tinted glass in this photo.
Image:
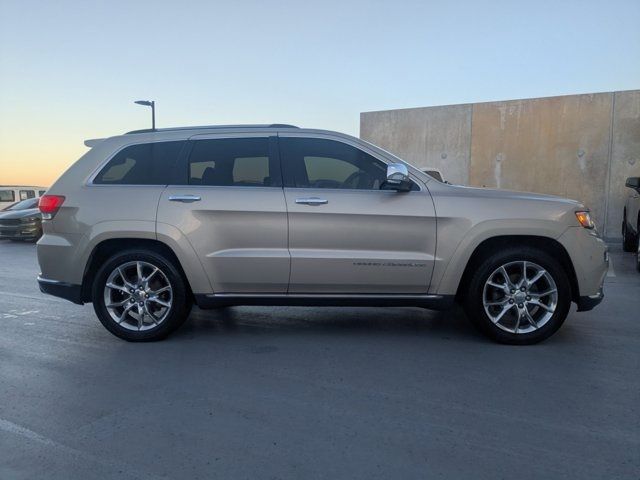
(24, 204)
(7, 196)
(144, 164)
(320, 163)
(239, 162)
(41, 192)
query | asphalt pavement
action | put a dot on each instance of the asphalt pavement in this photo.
(304, 393)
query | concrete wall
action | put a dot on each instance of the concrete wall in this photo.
(576, 146)
(436, 137)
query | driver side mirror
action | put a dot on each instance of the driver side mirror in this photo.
(397, 178)
(633, 182)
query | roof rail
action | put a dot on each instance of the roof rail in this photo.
(211, 127)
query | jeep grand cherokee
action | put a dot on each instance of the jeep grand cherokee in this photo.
(147, 223)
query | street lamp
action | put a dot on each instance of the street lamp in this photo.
(152, 104)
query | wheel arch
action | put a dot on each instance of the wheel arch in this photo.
(497, 243)
(106, 248)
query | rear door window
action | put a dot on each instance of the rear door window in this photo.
(233, 162)
(143, 164)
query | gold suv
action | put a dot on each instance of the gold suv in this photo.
(147, 223)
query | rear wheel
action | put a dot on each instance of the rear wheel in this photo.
(518, 296)
(139, 295)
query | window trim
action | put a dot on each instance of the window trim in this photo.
(288, 173)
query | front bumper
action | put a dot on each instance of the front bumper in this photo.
(590, 258)
(68, 291)
(589, 302)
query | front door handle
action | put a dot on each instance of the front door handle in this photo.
(311, 201)
(184, 198)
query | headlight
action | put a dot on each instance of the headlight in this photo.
(29, 219)
(584, 218)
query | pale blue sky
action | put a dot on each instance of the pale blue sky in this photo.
(74, 68)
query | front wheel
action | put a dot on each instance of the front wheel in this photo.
(139, 296)
(519, 296)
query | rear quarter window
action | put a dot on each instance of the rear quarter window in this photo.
(143, 164)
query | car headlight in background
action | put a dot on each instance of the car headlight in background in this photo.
(30, 219)
(584, 218)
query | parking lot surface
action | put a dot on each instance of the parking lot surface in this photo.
(315, 392)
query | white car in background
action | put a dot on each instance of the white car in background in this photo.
(631, 219)
(10, 194)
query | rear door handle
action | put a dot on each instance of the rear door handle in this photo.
(311, 201)
(184, 198)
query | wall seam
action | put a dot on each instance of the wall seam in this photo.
(610, 160)
(470, 144)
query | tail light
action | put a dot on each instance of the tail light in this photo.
(49, 205)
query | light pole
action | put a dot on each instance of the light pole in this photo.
(152, 104)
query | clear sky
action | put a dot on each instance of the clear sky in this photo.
(71, 70)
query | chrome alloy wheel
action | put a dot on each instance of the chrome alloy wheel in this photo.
(520, 297)
(138, 296)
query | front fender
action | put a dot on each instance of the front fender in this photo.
(453, 257)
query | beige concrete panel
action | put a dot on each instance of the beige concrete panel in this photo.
(625, 155)
(425, 137)
(556, 145)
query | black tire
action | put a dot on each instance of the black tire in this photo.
(629, 240)
(474, 306)
(181, 297)
(638, 248)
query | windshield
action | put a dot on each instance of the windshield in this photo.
(24, 204)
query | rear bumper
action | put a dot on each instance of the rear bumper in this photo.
(68, 291)
(589, 302)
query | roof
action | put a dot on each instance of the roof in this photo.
(211, 127)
